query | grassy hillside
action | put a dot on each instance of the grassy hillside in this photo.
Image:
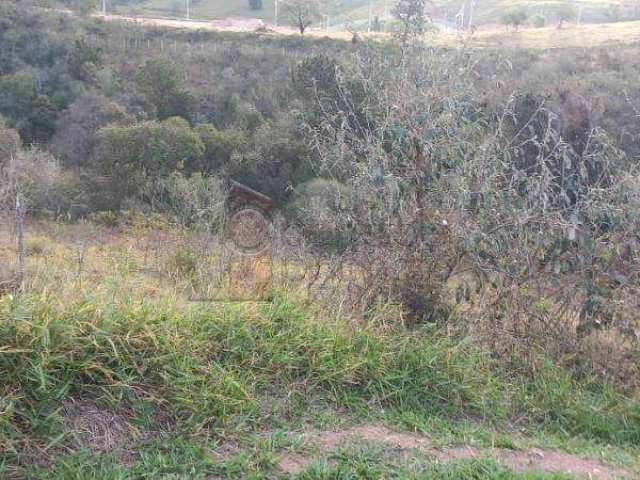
(205, 9)
(467, 312)
(593, 11)
(216, 9)
(110, 373)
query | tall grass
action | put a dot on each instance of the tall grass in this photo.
(211, 367)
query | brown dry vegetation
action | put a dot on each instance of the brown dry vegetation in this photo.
(453, 249)
(587, 36)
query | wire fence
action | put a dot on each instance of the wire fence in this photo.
(154, 45)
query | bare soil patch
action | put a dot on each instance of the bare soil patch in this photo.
(99, 428)
(548, 460)
(557, 461)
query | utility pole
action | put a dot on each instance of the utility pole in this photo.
(579, 15)
(276, 14)
(370, 14)
(188, 12)
(104, 8)
(387, 15)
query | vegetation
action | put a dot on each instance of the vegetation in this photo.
(486, 13)
(302, 13)
(174, 382)
(450, 265)
(411, 14)
(515, 18)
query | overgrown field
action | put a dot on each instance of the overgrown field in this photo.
(437, 278)
(109, 371)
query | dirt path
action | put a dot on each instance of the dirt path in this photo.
(548, 460)
(102, 429)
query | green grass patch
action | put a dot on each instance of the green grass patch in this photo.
(207, 370)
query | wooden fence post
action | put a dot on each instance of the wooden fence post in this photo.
(19, 229)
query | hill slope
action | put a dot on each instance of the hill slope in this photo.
(591, 11)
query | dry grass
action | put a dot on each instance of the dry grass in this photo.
(230, 26)
(68, 261)
(570, 36)
(100, 429)
(106, 347)
(177, 265)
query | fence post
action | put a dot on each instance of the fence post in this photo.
(19, 229)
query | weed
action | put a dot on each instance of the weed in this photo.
(183, 262)
(35, 246)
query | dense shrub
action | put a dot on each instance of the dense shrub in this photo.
(134, 156)
(222, 148)
(526, 207)
(77, 126)
(320, 208)
(164, 85)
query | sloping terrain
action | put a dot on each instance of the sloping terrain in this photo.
(592, 11)
(485, 12)
(621, 33)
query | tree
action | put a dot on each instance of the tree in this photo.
(539, 20)
(221, 147)
(255, 4)
(9, 143)
(28, 179)
(77, 126)
(565, 13)
(412, 17)
(136, 156)
(82, 58)
(40, 123)
(515, 18)
(18, 92)
(302, 13)
(31, 112)
(164, 85)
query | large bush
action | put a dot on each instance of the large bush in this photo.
(163, 83)
(77, 126)
(134, 156)
(530, 213)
